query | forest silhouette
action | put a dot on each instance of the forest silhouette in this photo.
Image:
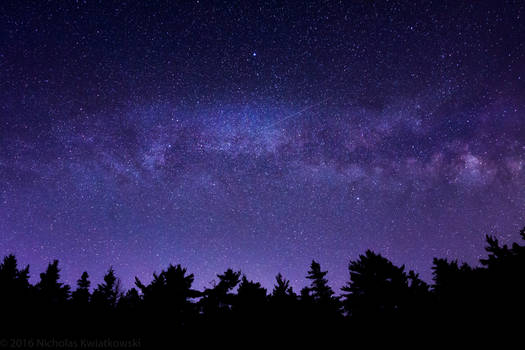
(379, 298)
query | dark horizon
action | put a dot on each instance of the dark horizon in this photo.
(379, 299)
(258, 136)
(35, 277)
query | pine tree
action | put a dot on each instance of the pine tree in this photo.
(50, 290)
(379, 290)
(283, 303)
(321, 292)
(129, 302)
(282, 289)
(14, 284)
(81, 296)
(251, 296)
(219, 300)
(170, 290)
(106, 295)
(320, 295)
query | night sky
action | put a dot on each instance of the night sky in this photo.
(258, 136)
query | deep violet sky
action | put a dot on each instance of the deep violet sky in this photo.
(258, 135)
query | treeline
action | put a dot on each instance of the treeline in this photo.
(378, 296)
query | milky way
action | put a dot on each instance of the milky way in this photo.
(258, 136)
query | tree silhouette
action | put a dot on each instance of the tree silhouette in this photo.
(502, 282)
(106, 295)
(52, 292)
(379, 290)
(170, 290)
(319, 296)
(251, 298)
(81, 296)
(282, 290)
(218, 300)
(284, 305)
(129, 302)
(320, 290)
(459, 293)
(380, 297)
(16, 300)
(14, 283)
(450, 278)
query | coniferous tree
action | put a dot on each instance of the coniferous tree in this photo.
(320, 290)
(251, 297)
(378, 290)
(106, 295)
(129, 302)
(170, 290)
(503, 283)
(458, 291)
(451, 279)
(81, 296)
(12, 279)
(249, 309)
(219, 300)
(15, 289)
(282, 289)
(283, 303)
(319, 294)
(51, 292)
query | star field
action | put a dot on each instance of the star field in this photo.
(258, 136)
